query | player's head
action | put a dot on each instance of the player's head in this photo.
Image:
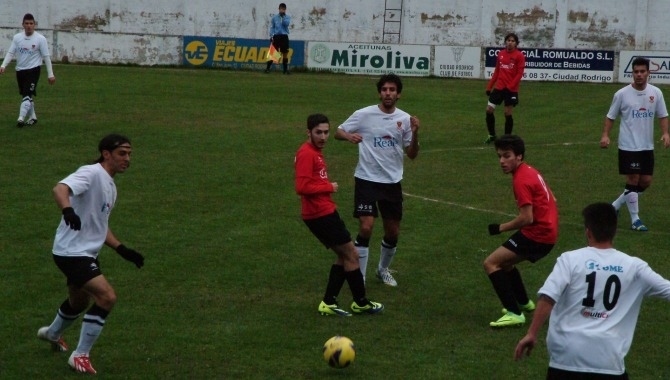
(318, 129)
(640, 72)
(511, 151)
(600, 220)
(282, 8)
(389, 78)
(28, 24)
(641, 61)
(512, 36)
(115, 153)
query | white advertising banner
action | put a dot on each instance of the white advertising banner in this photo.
(458, 62)
(659, 65)
(369, 59)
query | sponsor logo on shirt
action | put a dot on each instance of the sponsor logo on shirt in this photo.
(106, 208)
(642, 113)
(590, 313)
(385, 142)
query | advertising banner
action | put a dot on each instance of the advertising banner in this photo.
(561, 65)
(458, 62)
(659, 65)
(369, 59)
(235, 53)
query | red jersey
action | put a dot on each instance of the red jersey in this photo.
(530, 189)
(508, 71)
(311, 182)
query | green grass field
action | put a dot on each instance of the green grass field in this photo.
(233, 277)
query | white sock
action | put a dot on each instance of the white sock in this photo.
(633, 205)
(620, 201)
(363, 258)
(59, 324)
(32, 113)
(386, 256)
(24, 110)
(91, 328)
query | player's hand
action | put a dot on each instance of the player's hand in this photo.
(52, 80)
(604, 142)
(71, 218)
(526, 345)
(414, 123)
(335, 186)
(2, 70)
(666, 140)
(488, 93)
(131, 255)
(354, 138)
(494, 229)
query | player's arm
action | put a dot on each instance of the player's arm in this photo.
(8, 57)
(524, 218)
(412, 150)
(127, 253)
(665, 137)
(61, 193)
(542, 311)
(607, 127)
(354, 138)
(305, 184)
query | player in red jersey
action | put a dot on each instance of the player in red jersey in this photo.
(537, 225)
(319, 213)
(504, 85)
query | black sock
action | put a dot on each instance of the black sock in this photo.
(335, 282)
(269, 65)
(509, 124)
(517, 287)
(285, 65)
(491, 123)
(503, 288)
(357, 286)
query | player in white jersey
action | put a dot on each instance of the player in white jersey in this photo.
(384, 134)
(638, 104)
(30, 49)
(592, 299)
(86, 198)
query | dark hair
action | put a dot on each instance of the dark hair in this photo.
(601, 219)
(282, 5)
(511, 142)
(109, 143)
(316, 119)
(28, 16)
(641, 61)
(513, 35)
(389, 78)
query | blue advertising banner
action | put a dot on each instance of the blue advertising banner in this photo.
(561, 65)
(235, 53)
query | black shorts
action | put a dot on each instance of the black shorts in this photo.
(641, 162)
(329, 229)
(498, 96)
(79, 269)
(280, 41)
(526, 248)
(372, 198)
(560, 374)
(27, 80)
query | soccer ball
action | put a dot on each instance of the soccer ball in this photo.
(339, 352)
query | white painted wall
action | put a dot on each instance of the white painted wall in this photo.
(148, 31)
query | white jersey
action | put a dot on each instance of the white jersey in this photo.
(598, 293)
(28, 50)
(638, 110)
(385, 137)
(93, 197)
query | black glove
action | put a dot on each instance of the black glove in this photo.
(488, 93)
(71, 218)
(494, 229)
(130, 255)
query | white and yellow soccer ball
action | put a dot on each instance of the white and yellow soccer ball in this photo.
(339, 352)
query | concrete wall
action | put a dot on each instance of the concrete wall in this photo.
(148, 31)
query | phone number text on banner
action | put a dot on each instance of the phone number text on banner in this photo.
(560, 65)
